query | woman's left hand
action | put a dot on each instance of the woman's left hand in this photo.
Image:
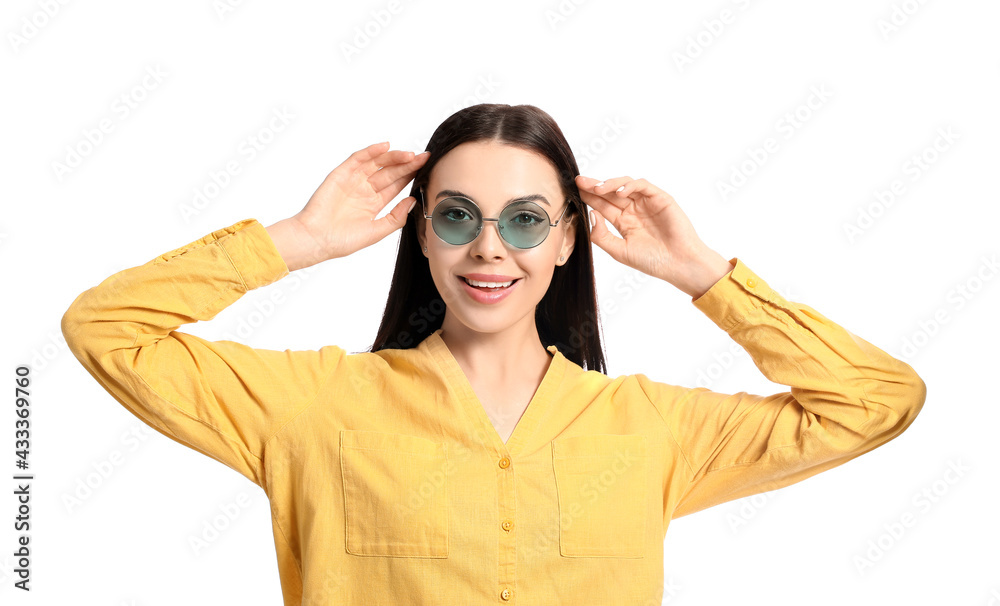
(657, 237)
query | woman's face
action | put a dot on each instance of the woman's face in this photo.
(491, 174)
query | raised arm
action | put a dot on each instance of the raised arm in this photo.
(223, 399)
(847, 397)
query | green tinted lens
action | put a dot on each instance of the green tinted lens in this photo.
(522, 224)
(456, 221)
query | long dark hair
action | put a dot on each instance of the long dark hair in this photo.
(567, 315)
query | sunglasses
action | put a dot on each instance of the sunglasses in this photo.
(522, 223)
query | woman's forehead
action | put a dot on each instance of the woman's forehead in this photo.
(494, 174)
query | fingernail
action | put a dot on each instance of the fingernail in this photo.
(412, 204)
(593, 219)
(599, 184)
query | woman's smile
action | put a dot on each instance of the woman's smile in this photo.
(488, 295)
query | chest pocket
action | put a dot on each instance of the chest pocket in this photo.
(395, 494)
(603, 484)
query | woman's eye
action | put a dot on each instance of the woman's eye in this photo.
(457, 214)
(525, 218)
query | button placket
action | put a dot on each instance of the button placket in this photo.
(506, 547)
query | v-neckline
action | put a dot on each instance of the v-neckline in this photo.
(459, 383)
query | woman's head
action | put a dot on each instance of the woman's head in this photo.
(492, 154)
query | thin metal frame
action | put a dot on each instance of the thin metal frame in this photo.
(485, 219)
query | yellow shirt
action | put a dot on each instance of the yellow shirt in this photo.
(389, 484)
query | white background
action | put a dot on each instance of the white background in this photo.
(683, 125)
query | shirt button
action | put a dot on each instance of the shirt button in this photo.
(505, 594)
(507, 525)
(504, 463)
(751, 282)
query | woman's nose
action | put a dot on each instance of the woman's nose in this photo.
(489, 243)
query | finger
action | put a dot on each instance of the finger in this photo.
(355, 160)
(605, 189)
(390, 175)
(394, 220)
(611, 185)
(600, 203)
(602, 236)
(641, 187)
(389, 158)
(611, 188)
(391, 190)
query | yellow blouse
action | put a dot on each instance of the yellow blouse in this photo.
(389, 484)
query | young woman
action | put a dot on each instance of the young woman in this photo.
(479, 453)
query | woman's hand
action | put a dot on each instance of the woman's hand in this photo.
(657, 237)
(339, 218)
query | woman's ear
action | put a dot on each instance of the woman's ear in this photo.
(421, 223)
(569, 241)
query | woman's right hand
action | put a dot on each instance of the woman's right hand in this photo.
(339, 218)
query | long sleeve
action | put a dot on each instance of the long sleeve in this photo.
(847, 397)
(221, 398)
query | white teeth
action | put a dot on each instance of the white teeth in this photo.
(488, 284)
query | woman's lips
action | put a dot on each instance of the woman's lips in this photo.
(488, 296)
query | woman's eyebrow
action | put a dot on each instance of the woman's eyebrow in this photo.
(454, 192)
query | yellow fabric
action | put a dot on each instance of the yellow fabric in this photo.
(387, 481)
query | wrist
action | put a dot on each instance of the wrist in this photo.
(705, 272)
(297, 247)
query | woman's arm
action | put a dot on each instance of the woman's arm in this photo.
(223, 399)
(847, 397)
(295, 247)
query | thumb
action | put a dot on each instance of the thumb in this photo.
(395, 219)
(601, 236)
